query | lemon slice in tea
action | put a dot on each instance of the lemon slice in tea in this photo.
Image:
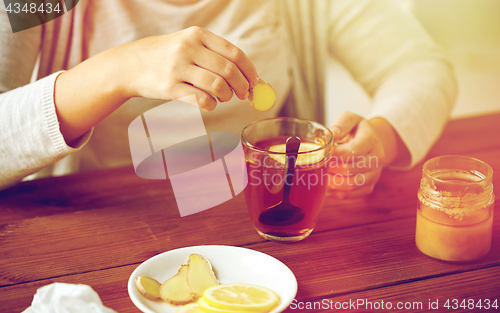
(302, 159)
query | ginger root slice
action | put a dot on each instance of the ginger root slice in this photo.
(148, 287)
(262, 97)
(200, 275)
(186, 286)
(175, 290)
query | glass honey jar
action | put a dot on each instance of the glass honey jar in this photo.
(455, 209)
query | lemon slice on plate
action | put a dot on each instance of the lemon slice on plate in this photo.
(302, 159)
(238, 297)
(190, 308)
(207, 308)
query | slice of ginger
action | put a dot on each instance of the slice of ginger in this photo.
(186, 286)
(175, 290)
(262, 97)
(200, 275)
(148, 287)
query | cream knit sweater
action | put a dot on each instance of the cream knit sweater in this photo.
(379, 43)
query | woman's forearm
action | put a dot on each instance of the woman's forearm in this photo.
(191, 61)
(86, 94)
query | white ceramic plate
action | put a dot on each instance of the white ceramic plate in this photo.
(230, 264)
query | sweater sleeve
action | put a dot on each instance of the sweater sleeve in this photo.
(392, 57)
(30, 138)
(29, 131)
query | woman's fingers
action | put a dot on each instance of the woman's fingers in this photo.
(192, 60)
(205, 100)
(345, 124)
(352, 182)
(352, 165)
(230, 52)
(357, 159)
(361, 142)
(219, 67)
(208, 81)
(227, 70)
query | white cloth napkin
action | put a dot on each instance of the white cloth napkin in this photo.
(67, 298)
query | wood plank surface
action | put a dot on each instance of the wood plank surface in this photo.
(434, 294)
(367, 257)
(96, 227)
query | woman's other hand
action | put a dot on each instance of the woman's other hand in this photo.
(364, 148)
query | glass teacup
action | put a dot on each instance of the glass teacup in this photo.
(264, 144)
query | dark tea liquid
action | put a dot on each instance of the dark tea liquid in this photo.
(266, 174)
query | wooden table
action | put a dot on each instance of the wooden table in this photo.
(95, 228)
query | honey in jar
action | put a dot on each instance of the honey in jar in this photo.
(455, 210)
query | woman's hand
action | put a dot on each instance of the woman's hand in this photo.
(191, 61)
(364, 148)
(168, 67)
